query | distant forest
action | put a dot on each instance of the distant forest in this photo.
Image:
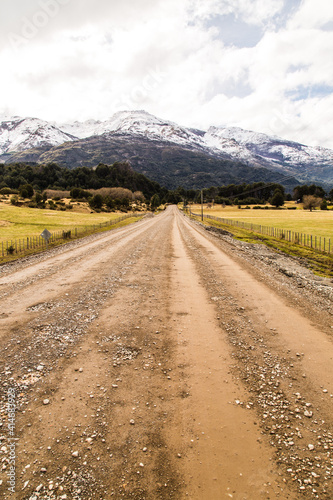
(121, 174)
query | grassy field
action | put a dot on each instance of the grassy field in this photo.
(21, 222)
(318, 222)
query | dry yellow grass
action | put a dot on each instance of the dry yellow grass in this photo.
(318, 222)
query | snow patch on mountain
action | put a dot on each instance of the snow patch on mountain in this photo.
(247, 145)
(137, 123)
(18, 134)
(256, 149)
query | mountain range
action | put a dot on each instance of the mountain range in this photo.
(165, 151)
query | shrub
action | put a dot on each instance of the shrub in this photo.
(14, 200)
(26, 191)
(79, 194)
(38, 198)
(310, 202)
(277, 199)
(96, 201)
(10, 250)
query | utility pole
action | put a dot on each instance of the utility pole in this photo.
(201, 205)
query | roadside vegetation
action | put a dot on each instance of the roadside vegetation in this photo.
(34, 197)
(317, 222)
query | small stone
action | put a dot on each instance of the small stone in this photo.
(46, 402)
(81, 370)
(308, 413)
(311, 447)
(40, 368)
(132, 422)
(144, 449)
(39, 487)
(75, 454)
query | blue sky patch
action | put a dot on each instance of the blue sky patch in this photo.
(289, 8)
(234, 31)
(230, 88)
(328, 26)
(309, 92)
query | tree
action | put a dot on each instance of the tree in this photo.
(96, 201)
(323, 205)
(310, 202)
(26, 191)
(155, 201)
(38, 198)
(331, 195)
(277, 199)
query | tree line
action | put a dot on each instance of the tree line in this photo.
(25, 180)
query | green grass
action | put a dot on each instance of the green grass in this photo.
(321, 263)
(19, 223)
(318, 222)
(22, 222)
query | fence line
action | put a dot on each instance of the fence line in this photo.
(12, 247)
(319, 243)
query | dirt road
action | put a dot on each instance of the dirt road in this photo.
(158, 362)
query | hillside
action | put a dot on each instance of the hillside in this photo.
(165, 151)
(163, 162)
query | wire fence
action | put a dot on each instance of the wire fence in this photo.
(318, 243)
(30, 243)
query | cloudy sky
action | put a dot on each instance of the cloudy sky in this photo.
(264, 65)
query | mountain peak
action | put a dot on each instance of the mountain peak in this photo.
(255, 149)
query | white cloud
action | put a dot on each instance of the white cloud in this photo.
(171, 59)
(253, 11)
(312, 14)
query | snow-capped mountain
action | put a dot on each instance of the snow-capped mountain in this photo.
(251, 146)
(19, 134)
(254, 149)
(137, 123)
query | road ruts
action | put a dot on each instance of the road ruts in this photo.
(151, 364)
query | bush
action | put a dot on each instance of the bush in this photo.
(310, 202)
(96, 201)
(14, 200)
(79, 194)
(10, 250)
(26, 191)
(38, 198)
(277, 199)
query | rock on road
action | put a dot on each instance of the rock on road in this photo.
(159, 361)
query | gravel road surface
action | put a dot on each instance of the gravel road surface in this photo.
(165, 361)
